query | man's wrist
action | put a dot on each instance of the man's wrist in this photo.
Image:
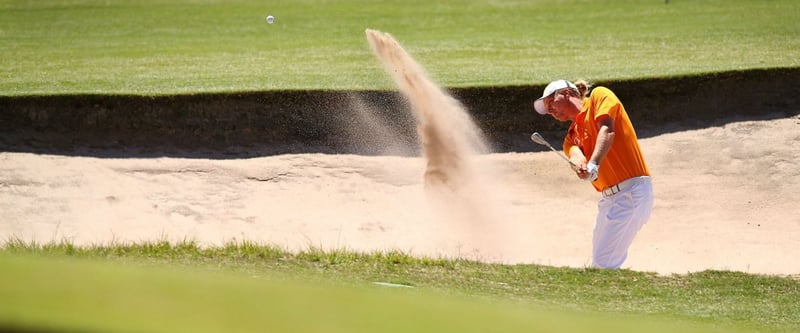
(592, 168)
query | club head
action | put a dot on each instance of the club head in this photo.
(536, 137)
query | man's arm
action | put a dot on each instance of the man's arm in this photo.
(576, 156)
(605, 137)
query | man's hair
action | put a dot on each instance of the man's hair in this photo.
(583, 87)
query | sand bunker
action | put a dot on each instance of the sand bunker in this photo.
(725, 199)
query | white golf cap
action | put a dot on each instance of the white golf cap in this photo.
(549, 90)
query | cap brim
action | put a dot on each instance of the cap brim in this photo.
(539, 106)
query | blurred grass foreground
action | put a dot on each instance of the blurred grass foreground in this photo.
(162, 287)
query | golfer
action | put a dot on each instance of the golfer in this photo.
(601, 141)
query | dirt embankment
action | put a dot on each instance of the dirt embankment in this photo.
(275, 122)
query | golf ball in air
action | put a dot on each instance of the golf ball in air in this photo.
(270, 19)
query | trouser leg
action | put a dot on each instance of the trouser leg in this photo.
(619, 219)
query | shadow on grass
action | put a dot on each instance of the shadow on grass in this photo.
(252, 124)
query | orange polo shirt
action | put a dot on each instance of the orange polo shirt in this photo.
(625, 159)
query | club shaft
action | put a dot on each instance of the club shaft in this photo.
(540, 140)
(561, 155)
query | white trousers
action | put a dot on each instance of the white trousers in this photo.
(619, 219)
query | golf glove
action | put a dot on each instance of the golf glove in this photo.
(592, 168)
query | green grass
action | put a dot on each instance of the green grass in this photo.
(245, 287)
(190, 46)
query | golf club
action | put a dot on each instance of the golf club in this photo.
(536, 137)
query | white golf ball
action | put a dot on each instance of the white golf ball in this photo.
(270, 19)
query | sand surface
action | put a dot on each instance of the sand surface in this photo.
(726, 198)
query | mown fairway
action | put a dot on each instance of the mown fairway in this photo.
(166, 47)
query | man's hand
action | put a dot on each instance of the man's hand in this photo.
(592, 169)
(588, 171)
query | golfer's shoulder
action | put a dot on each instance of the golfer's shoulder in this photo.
(600, 91)
(601, 94)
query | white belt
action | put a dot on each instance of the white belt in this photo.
(614, 189)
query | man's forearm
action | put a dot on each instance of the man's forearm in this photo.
(576, 156)
(605, 138)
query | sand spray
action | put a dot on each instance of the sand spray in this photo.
(458, 184)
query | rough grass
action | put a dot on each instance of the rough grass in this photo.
(247, 280)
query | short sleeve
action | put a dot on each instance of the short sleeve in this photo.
(606, 104)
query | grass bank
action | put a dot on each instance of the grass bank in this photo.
(274, 122)
(245, 287)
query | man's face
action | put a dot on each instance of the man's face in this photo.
(558, 105)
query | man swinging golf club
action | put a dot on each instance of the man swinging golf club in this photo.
(603, 145)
